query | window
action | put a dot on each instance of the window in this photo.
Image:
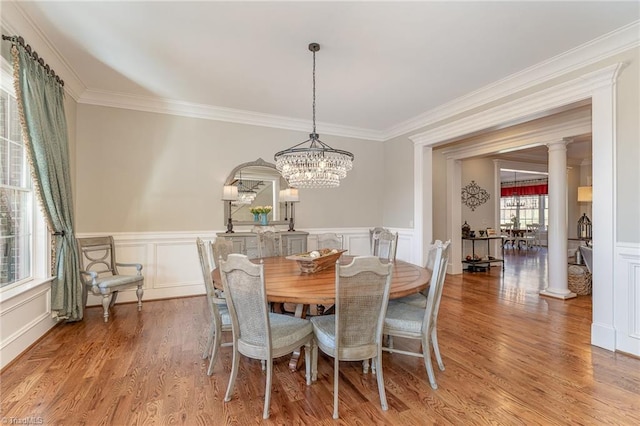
(524, 201)
(527, 209)
(16, 196)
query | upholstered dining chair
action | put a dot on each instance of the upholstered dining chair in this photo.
(373, 232)
(100, 274)
(221, 247)
(354, 333)
(220, 319)
(420, 299)
(258, 333)
(269, 244)
(420, 323)
(330, 240)
(385, 245)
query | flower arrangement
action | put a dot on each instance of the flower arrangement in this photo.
(261, 209)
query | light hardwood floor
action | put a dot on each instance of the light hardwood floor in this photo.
(511, 357)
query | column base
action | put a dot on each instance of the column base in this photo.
(548, 293)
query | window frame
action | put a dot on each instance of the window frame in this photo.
(40, 253)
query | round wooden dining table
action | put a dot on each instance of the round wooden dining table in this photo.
(286, 283)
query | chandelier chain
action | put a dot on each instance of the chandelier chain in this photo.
(314, 92)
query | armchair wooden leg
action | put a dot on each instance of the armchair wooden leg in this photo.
(106, 302)
(139, 293)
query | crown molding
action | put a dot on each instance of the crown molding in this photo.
(532, 105)
(16, 21)
(208, 112)
(608, 45)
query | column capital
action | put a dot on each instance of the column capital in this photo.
(558, 145)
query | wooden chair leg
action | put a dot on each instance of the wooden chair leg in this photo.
(267, 390)
(381, 391)
(139, 293)
(234, 373)
(207, 346)
(106, 302)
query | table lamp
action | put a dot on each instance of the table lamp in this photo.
(585, 195)
(229, 194)
(290, 195)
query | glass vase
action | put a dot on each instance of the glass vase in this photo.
(264, 219)
(256, 217)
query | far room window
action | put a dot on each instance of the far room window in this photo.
(524, 201)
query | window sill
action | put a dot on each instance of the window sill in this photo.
(11, 292)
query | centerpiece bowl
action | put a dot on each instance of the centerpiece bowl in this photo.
(316, 260)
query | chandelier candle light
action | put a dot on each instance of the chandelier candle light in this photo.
(315, 165)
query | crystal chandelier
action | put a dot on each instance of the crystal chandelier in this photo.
(246, 191)
(315, 165)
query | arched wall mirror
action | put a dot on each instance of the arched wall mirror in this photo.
(259, 184)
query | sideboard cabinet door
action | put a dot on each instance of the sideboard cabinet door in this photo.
(246, 243)
(294, 243)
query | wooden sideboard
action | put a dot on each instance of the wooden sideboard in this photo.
(293, 242)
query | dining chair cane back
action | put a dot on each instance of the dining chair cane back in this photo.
(354, 332)
(269, 244)
(330, 240)
(420, 299)
(373, 232)
(100, 275)
(258, 333)
(221, 247)
(220, 320)
(385, 244)
(420, 323)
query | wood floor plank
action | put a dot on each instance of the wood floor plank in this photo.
(511, 357)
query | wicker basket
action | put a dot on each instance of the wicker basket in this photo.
(309, 265)
(579, 279)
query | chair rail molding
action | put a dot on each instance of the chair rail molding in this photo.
(171, 266)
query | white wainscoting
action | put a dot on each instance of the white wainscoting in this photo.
(25, 316)
(626, 309)
(171, 267)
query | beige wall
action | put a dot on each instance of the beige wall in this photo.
(479, 170)
(148, 172)
(398, 181)
(628, 150)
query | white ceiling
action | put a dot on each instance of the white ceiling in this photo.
(380, 63)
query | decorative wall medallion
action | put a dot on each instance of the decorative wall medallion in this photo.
(474, 196)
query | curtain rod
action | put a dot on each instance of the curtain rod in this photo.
(19, 40)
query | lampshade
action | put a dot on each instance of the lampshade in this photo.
(585, 194)
(293, 194)
(289, 195)
(316, 165)
(230, 193)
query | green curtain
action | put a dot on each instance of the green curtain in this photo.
(41, 106)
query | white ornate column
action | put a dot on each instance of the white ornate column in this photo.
(557, 282)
